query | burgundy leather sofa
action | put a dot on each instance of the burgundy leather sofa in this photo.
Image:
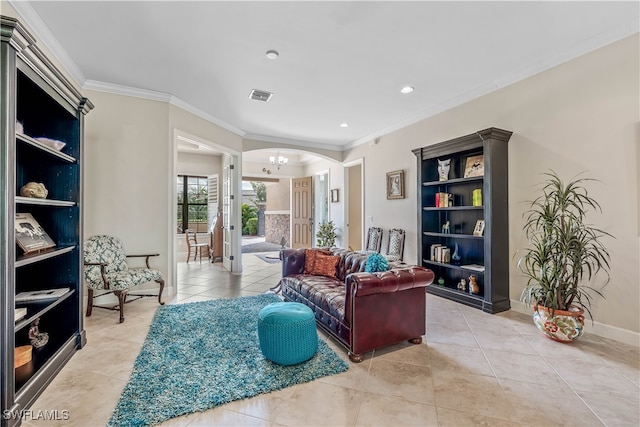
(363, 311)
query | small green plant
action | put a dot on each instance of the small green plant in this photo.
(564, 251)
(326, 235)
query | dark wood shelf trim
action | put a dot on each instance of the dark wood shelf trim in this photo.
(43, 202)
(28, 140)
(452, 181)
(452, 235)
(452, 208)
(40, 308)
(41, 256)
(451, 266)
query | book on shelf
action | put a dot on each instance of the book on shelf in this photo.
(19, 313)
(443, 200)
(440, 253)
(44, 294)
(474, 267)
(30, 236)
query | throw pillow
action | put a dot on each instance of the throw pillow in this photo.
(375, 263)
(326, 265)
(310, 259)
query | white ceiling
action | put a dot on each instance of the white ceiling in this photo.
(339, 61)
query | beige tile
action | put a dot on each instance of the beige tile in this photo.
(355, 377)
(453, 418)
(592, 377)
(215, 417)
(264, 406)
(476, 394)
(377, 410)
(456, 358)
(537, 404)
(80, 400)
(400, 380)
(320, 404)
(614, 409)
(503, 340)
(405, 352)
(450, 333)
(523, 367)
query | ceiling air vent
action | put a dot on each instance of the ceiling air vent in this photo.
(260, 95)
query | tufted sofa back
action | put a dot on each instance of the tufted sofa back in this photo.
(350, 262)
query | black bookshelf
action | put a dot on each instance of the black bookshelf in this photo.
(38, 102)
(490, 248)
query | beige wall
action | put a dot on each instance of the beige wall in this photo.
(125, 173)
(198, 164)
(278, 195)
(580, 116)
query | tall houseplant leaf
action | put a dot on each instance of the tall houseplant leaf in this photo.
(565, 253)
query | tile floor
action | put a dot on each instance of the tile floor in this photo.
(472, 369)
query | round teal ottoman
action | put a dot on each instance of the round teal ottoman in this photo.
(287, 333)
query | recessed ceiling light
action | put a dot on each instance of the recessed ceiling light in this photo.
(407, 89)
(272, 54)
(344, 125)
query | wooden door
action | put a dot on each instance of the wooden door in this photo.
(301, 213)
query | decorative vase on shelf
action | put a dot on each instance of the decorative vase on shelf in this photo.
(455, 258)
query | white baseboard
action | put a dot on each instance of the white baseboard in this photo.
(600, 329)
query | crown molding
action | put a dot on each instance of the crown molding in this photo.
(206, 116)
(126, 91)
(28, 14)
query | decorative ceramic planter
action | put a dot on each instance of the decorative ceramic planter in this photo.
(563, 326)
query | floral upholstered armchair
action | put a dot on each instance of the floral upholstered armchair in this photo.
(106, 270)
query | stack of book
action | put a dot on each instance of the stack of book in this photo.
(440, 253)
(444, 200)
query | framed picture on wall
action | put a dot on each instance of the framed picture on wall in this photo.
(335, 195)
(395, 185)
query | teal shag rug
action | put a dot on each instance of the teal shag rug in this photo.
(204, 354)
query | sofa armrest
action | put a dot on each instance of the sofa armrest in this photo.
(292, 261)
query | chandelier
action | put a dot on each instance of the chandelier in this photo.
(278, 160)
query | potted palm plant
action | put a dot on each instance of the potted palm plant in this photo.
(564, 256)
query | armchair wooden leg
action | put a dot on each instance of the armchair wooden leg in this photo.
(122, 296)
(89, 302)
(161, 282)
(416, 340)
(188, 254)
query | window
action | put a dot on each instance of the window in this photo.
(192, 194)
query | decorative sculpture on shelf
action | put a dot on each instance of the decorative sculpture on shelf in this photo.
(443, 169)
(473, 285)
(462, 285)
(38, 339)
(455, 258)
(445, 228)
(36, 190)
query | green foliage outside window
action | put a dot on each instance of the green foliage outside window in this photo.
(249, 212)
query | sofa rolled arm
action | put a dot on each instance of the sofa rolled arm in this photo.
(292, 261)
(399, 279)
